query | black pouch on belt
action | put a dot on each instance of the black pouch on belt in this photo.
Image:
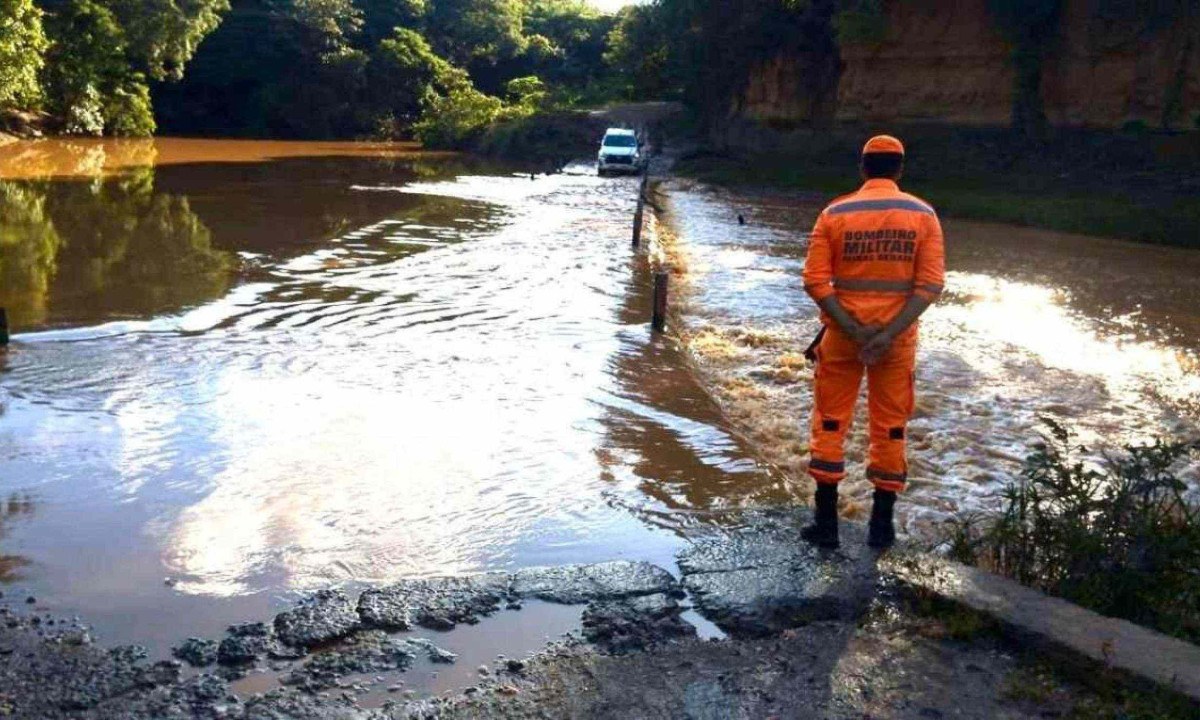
(811, 353)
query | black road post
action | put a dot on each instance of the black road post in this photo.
(637, 223)
(659, 321)
(3, 326)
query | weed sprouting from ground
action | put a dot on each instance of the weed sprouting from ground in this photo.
(1120, 536)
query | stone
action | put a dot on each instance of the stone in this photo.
(240, 650)
(631, 624)
(197, 652)
(329, 615)
(364, 653)
(434, 603)
(435, 654)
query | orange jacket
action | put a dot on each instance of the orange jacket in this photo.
(873, 249)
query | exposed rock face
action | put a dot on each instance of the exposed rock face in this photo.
(947, 61)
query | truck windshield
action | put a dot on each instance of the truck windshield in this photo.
(619, 141)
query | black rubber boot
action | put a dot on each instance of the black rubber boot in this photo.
(881, 533)
(824, 530)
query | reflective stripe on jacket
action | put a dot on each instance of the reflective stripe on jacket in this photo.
(874, 248)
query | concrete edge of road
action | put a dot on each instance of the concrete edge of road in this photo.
(1058, 625)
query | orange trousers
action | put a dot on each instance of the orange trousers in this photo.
(890, 401)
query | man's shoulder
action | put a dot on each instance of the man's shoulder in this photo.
(841, 199)
(918, 200)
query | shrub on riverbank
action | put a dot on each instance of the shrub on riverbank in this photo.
(1121, 537)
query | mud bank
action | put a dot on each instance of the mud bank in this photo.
(810, 634)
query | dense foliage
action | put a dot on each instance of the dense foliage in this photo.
(1121, 537)
(351, 68)
(22, 42)
(296, 68)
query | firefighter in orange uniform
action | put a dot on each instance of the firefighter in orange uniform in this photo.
(875, 263)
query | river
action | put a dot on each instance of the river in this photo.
(241, 371)
(1100, 335)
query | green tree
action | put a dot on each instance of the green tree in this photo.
(578, 35)
(162, 35)
(643, 50)
(403, 71)
(22, 44)
(89, 78)
(275, 68)
(382, 17)
(527, 94)
(469, 31)
(459, 115)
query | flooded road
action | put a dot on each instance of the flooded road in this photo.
(242, 373)
(1103, 335)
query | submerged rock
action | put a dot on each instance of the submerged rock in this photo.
(435, 603)
(366, 653)
(328, 615)
(434, 653)
(766, 578)
(577, 584)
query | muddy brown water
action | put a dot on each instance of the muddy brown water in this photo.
(242, 371)
(1101, 335)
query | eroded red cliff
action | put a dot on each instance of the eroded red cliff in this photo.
(947, 61)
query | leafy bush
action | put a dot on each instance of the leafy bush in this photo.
(527, 92)
(128, 111)
(1120, 536)
(84, 113)
(459, 116)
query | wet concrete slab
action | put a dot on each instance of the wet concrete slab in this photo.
(764, 577)
(575, 584)
(1058, 624)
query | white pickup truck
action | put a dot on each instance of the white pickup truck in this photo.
(620, 151)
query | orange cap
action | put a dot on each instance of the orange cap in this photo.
(883, 144)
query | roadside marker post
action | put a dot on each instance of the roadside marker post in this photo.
(641, 209)
(3, 326)
(637, 223)
(659, 321)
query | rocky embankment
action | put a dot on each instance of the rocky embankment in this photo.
(810, 634)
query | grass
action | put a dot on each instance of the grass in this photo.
(1119, 535)
(1134, 186)
(1042, 684)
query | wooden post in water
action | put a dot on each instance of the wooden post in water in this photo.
(3, 326)
(659, 320)
(637, 222)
